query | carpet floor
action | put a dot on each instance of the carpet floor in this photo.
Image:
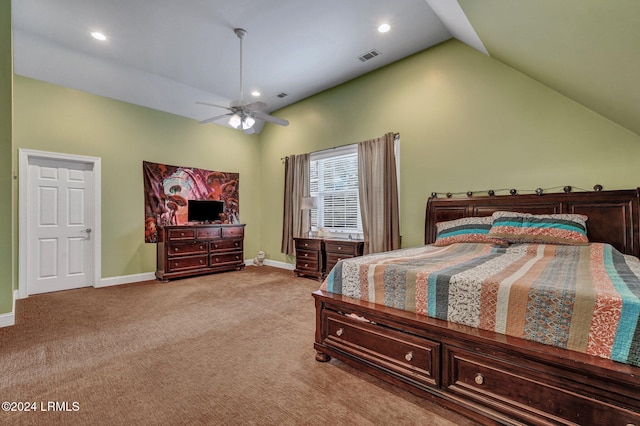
(233, 348)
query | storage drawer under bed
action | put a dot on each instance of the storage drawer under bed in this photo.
(410, 356)
(524, 393)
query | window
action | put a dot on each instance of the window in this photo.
(334, 183)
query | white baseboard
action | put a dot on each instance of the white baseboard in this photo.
(9, 319)
(126, 279)
(277, 264)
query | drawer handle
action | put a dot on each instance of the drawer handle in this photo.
(201, 261)
(339, 248)
(306, 265)
(237, 244)
(201, 247)
(306, 255)
(237, 257)
(175, 264)
(217, 260)
(479, 379)
(306, 245)
(340, 332)
(215, 246)
(175, 249)
(409, 356)
(182, 234)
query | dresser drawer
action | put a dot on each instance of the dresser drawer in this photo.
(186, 249)
(226, 245)
(181, 234)
(333, 258)
(233, 232)
(308, 244)
(518, 391)
(346, 247)
(186, 263)
(409, 355)
(307, 256)
(309, 265)
(225, 258)
(209, 233)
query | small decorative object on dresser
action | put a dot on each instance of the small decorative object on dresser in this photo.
(315, 257)
(187, 250)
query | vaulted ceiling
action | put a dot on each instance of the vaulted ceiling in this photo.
(168, 54)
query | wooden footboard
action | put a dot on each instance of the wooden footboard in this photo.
(489, 377)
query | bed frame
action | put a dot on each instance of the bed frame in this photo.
(490, 377)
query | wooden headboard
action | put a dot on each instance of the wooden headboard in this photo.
(613, 215)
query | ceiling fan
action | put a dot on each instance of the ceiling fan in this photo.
(243, 115)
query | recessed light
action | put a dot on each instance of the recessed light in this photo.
(384, 28)
(98, 36)
(255, 93)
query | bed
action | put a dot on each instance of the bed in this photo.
(425, 322)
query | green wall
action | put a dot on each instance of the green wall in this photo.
(6, 242)
(54, 118)
(467, 122)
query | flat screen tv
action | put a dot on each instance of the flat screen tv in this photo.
(204, 211)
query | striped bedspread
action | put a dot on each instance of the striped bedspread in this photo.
(582, 298)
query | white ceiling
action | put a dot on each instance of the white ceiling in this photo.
(168, 54)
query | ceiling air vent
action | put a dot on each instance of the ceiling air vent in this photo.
(369, 55)
(282, 95)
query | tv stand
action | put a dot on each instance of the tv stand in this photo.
(197, 249)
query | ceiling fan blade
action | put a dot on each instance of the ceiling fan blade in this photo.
(255, 106)
(217, 117)
(214, 105)
(270, 118)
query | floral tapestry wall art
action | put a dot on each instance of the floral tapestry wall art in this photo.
(167, 190)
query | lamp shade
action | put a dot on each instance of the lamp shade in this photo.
(308, 203)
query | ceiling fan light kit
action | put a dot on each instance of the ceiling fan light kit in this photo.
(243, 115)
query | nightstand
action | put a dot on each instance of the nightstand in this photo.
(338, 249)
(315, 257)
(310, 260)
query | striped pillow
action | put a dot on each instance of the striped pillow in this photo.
(570, 229)
(466, 230)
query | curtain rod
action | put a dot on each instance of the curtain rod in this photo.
(395, 135)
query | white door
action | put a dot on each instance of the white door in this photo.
(60, 221)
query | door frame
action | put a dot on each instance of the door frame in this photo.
(24, 156)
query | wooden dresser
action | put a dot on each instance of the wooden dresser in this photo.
(187, 250)
(315, 257)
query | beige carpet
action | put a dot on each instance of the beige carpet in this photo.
(226, 349)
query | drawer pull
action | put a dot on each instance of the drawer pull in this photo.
(215, 246)
(182, 234)
(339, 248)
(306, 255)
(409, 356)
(340, 332)
(217, 260)
(175, 249)
(201, 261)
(306, 265)
(479, 379)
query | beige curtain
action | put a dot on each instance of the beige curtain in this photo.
(296, 186)
(378, 190)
